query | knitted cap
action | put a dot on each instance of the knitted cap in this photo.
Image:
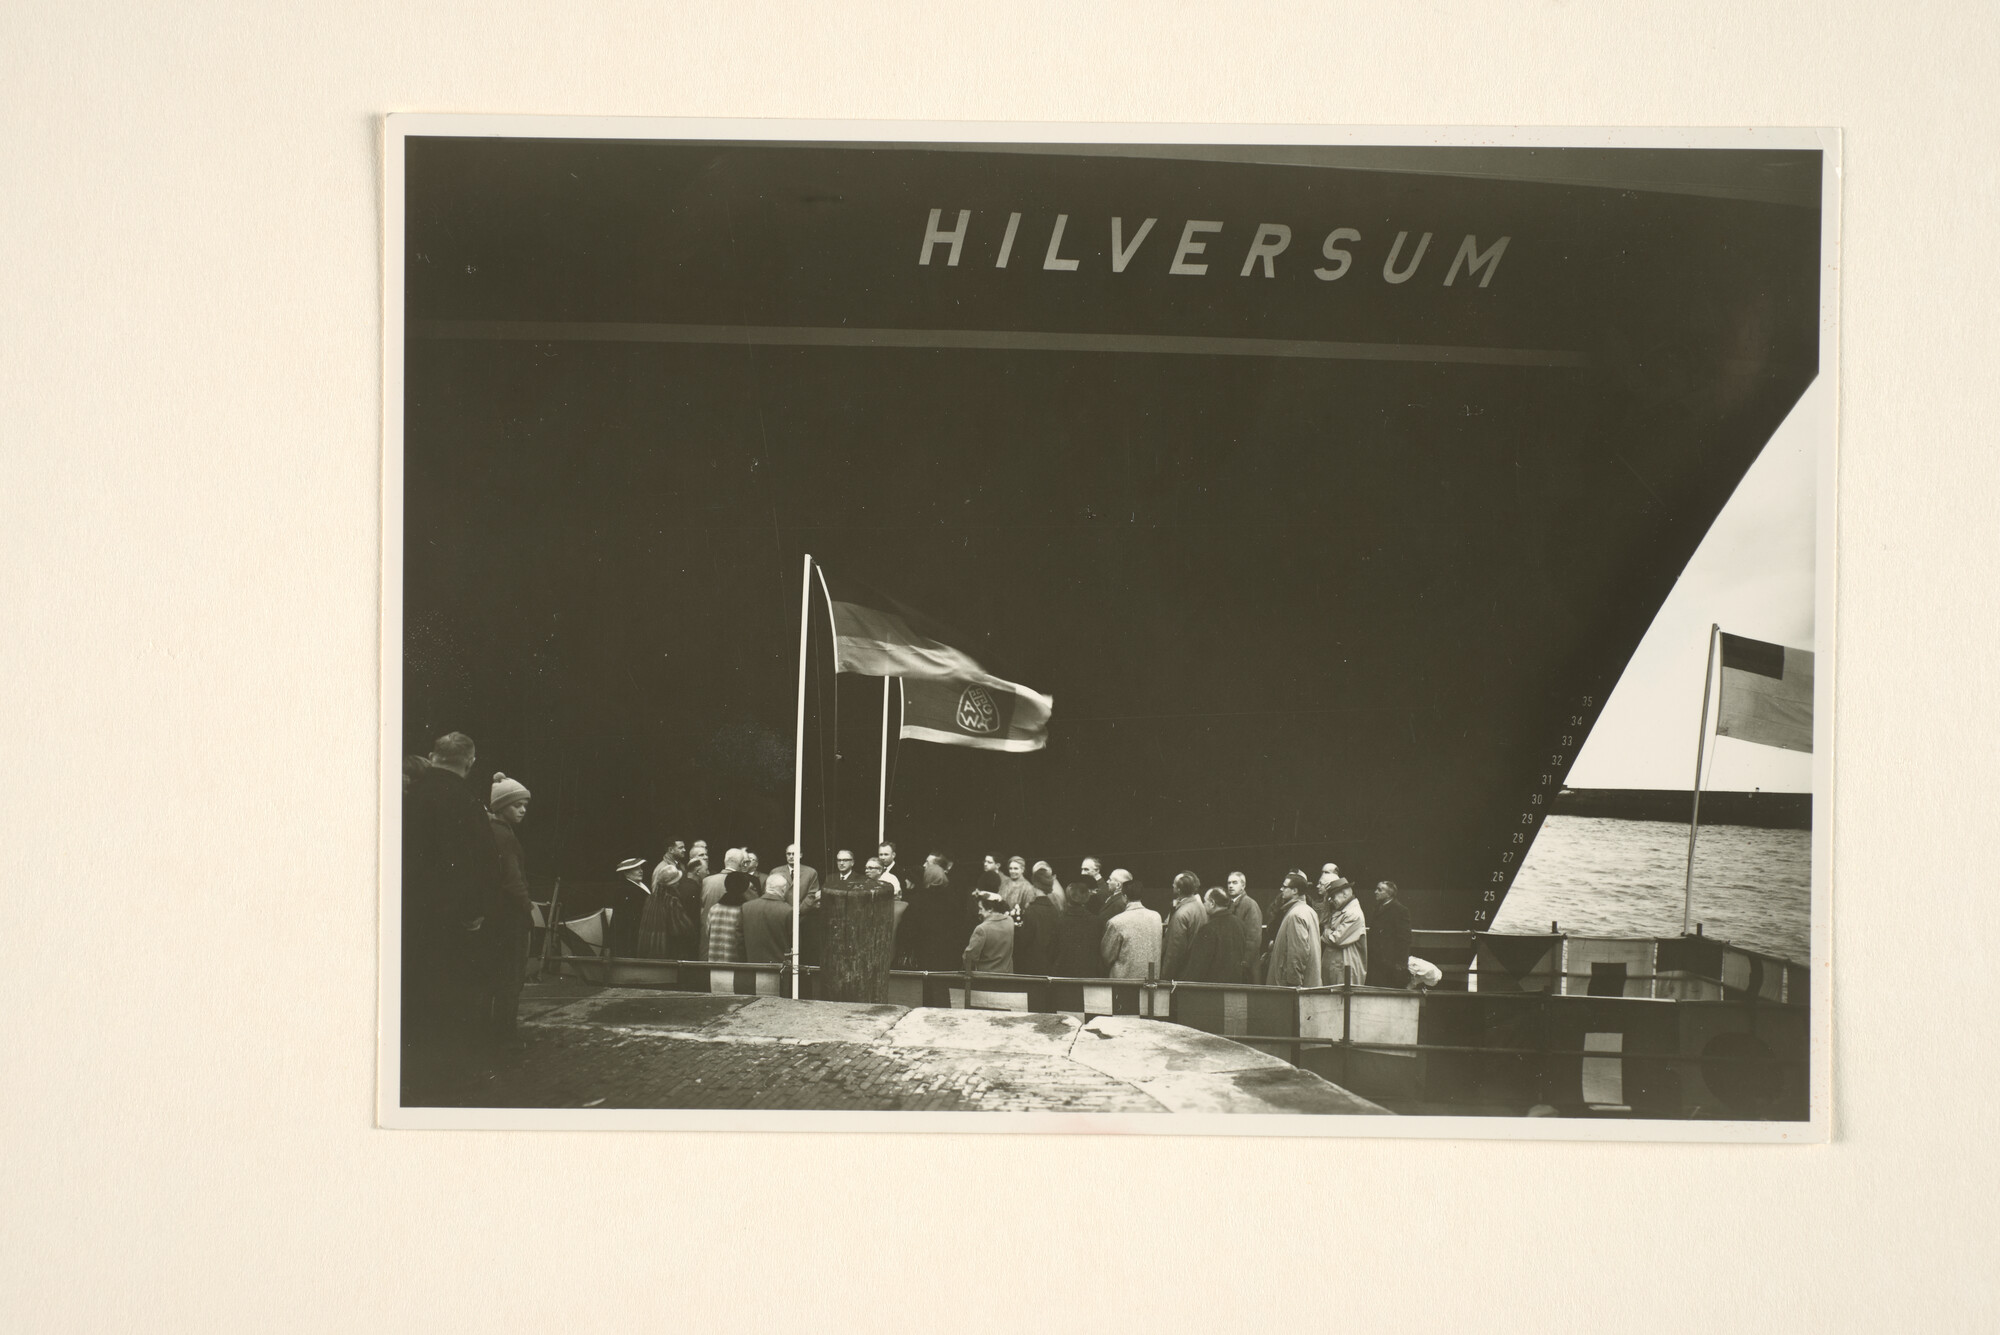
(505, 790)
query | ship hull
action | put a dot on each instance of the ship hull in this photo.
(1314, 569)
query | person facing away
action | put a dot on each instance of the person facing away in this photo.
(1186, 919)
(1037, 939)
(990, 949)
(1055, 881)
(713, 886)
(1115, 896)
(512, 916)
(1249, 915)
(1079, 937)
(1389, 950)
(1131, 944)
(1344, 938)
(1217, 954)
(1015, 888)
(767, 922)
(723, 936)
(1294, 960)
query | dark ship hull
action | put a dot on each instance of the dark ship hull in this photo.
(1314, 568)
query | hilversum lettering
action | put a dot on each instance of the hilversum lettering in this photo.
(1203, 241)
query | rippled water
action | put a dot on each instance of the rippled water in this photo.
(1625, 877)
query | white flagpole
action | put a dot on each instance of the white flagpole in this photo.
(1701, 741)
(799, 772)
(882, 806)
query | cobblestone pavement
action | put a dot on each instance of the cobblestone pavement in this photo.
(639, 1048)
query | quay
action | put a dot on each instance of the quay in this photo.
(634, 1047)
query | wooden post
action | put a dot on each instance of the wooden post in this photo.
(860, 924)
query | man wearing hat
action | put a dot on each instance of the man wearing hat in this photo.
(1345, 936)
(511, 920)
(1294, 958)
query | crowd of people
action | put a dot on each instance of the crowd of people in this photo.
(467, 912)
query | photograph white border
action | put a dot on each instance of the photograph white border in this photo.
(1819, 401)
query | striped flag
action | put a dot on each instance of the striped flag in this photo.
(876, 636)
(1767, 694)
(983, 712)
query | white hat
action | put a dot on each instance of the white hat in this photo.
(505, 790)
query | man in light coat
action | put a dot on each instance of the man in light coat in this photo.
(1294, 958)
(1132, 942)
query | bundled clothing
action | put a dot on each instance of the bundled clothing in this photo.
(505, 933)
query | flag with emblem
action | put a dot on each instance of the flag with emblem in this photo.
(981, 711)
(1767, 694)
(876, 636)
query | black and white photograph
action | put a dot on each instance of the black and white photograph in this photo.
(1145, 628)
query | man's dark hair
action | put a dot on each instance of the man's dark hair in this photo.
(1390, 886)
(1186, 883)
(942, 859)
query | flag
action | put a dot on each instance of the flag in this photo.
(985, 712)
(1767, 694)
(876, 636)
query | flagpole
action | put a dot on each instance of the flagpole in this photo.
(882, 807)
(799, 772)
(1700, 743)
